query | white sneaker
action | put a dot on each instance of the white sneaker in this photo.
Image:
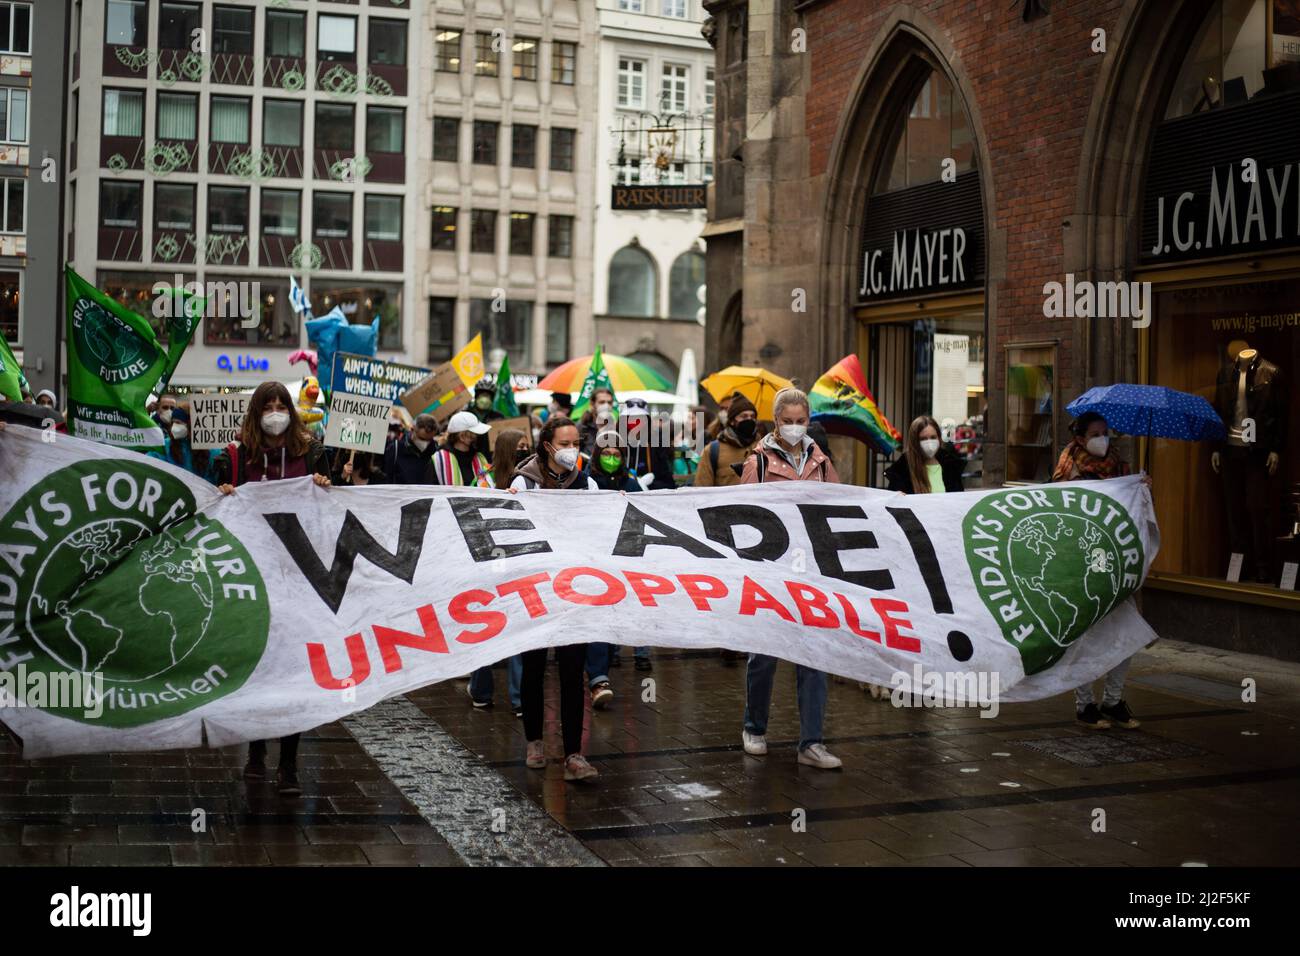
(816, 755)
(755, 744)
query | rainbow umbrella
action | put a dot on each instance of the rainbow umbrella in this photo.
(625, 373)
(844, 405)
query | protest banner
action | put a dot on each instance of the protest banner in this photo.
(225, 618)
(520, 424)
(357, 422)
(369, 377)
(441, 395)
(215, 420)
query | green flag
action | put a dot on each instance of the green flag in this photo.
(115, 360)
(10, 373)
(505, 400)
(597, 377)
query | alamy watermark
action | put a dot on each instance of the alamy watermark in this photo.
(946, 689)
(1086, 299)
(60, 690)
(233, 299)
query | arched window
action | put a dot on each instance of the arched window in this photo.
(684, 281)
(632, 283)
(935, 129)
(1225, 66)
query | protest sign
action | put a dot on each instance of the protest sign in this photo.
(369, 377)
(357, 422)
(215, 420)
(441, 395)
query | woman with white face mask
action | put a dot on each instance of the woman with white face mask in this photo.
(928, 464)
(1090, 456)
(558, 464)
(273, 444)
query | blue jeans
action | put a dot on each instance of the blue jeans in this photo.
(810, 688)
(481, 684)
(598, 658)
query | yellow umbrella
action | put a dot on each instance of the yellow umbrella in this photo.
(756, 384)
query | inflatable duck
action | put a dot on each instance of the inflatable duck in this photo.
(311, 414)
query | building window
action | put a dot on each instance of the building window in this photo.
(335, 126)
(16, 27)
(126, 24)
(280, 212)
(564, 62)
(443, 235)
(482, 230)
(487, 61)
(336, 38)
(708, 91)
(557, 333)
(10, 306)
(362, 304)
(278, 325)
(936, 129)
(559, 240)
(230, 120)
(331, 215)
(673, 93)
(684, 281)
(485, 142)
(446, 139)
(178, 116)
(521, 233)
(123, 113)
(1226, 63)
(388, 42)
(385, 129)
(228, 210)
(12, 199)
(286, 33)
(509, 329)
(442, 324)
(673, 8)
(523, 146)
(562, 149)
(232, 30)
(447, 51)
(384, 218)
(13, 115)
(632, 6)
(523, 58)
(631, 84)
(282, 123)
(176, 25)
(120, 204)
(173, 206)
(632, 283)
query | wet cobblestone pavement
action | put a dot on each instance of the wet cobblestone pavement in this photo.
(427, 780)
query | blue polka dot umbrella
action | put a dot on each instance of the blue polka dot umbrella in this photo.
(1151, 410)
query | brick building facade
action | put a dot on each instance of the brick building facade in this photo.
(1078, 133)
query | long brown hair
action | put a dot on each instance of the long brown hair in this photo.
(297, 440)
(916, 457)
(553, 424)
(505, 455)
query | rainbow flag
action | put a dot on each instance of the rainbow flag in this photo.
(844, 405)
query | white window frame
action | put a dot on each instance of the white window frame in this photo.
(670, 80)
(631, 69)
(631, 6)
(710, 91)
(7, 43)
(320, 19)
(9, 92)
(4, 206)
(668, 7)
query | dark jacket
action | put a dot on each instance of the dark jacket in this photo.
(1266, 402)
(619, 481)
(404, 464)
(657, 460)
(900, 478)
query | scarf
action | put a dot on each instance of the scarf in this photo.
(1077, 463)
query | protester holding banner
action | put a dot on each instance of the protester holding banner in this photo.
(608, 470)
(557, 465)
(787, 455)
(731, 447)
(408, 458)
(459, 462)
(927, 464)
(649, 456)
(595, 418)
(1089, 455)
(273, 444)
(177, 450)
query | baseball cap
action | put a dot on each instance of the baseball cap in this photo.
(466, 422)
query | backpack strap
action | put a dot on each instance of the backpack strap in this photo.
(236, 464)
(761, 465)
(715, 451)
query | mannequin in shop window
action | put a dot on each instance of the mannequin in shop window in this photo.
(1250, 397)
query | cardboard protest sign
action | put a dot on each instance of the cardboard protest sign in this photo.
(502, 424)
(357, 422)
(215, 420)
(441, 395)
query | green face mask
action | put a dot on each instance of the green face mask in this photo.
(610, 463)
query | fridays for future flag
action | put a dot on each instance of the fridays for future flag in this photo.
(505, 400)
(10, 373)
(285, 606)
(115, 361)
(597, 377)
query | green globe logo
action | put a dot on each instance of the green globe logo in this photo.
(118, 577)
(118, 348)
(1049, 563)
